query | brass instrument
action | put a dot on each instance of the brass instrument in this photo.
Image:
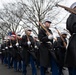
(61, 38)
(67, 8)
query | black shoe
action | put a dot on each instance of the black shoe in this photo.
(23, 74)
(19, 70)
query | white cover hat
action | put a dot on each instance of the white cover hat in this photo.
(64, 32)
(47, 20)
(28, 29)
(73, 5)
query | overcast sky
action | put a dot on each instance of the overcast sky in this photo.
(67, 2)
(63, 2)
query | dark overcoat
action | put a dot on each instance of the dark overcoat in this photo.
(37, 52)
(27, 50)
(18, 51)
(12, 50)
(44, 48)
(70, 59)
(60, 51)
(3, 49)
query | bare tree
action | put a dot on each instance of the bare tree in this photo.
(38, 10)
(9, 20)
(27, 12)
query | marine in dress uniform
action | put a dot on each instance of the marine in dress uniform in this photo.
(37, 52)
(60, 51)
(46, 58)
(3, 52)
(28, 52)
(70, 60)
(18, 58)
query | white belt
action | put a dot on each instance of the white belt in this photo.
(49, 42)
(46, 42)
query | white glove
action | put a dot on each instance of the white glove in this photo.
(10, 46)
(50, 37)
(36, 46)
(17, 44)
(6, 47)
(28, 42)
